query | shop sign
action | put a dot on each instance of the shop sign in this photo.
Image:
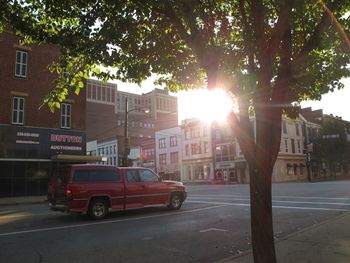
(27, 142)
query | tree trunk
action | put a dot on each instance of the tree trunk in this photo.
(261, 214)
(268, 138)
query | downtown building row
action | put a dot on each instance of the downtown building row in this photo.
(200, 152)
(194, 151)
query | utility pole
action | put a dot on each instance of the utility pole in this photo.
(126, 135)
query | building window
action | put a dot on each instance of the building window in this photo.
(297, 129)
(174, 157)
(206, 147)
(284, 127)
(173, 141)
(149, 153)
(187, 150)
(218, 135)
(299, 146)
(196, 148)
(18, 110)
(162, 158)
(286, 144)
(162, 143)
(301, 166)
(21, 63)
(187, 134)
(205, 131)
(295, 169)
(292, 142)
(66, 112)
(195, 132)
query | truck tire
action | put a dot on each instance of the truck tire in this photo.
(98, 209)
(175, 201)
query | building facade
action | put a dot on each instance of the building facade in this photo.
(197, 151)
(107, 150)
(225, 152)
(31, 137)
(291, 160)
(169, 153)
(327, 145)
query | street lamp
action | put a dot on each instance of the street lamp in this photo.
(126, 132)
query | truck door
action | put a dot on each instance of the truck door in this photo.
(156, 190)
(134, 189)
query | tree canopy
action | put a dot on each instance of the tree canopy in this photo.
(227, 43)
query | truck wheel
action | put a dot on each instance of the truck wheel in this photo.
(175, 202)
(98, 209)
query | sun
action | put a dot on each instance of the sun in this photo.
(209, 106)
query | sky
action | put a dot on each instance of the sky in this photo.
(214, 104)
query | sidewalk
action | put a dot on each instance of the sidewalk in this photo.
(22, 200)
(323, 243)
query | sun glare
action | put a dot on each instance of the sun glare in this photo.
(206, 105)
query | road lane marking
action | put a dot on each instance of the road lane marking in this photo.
(22, 215)
(312, 197)
(274, 201)
(7, 212)
(213, 229)
(278, 196)
(110, 221)
(274, 206)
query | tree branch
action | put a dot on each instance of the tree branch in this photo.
(243, 131)
(257, 8)
(281, 26)
(247, 39)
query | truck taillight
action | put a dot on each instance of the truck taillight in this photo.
(69, 194)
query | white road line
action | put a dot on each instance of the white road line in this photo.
(279, 196)
(213, 229)
(7, 212)
(312, 197)
(110, 221)
(274, 201)
(274, 206)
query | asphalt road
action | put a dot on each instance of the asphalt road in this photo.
(214, 223)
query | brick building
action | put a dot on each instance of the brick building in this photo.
(32, 139)
(147, 113)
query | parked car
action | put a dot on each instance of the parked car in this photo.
(100, 189)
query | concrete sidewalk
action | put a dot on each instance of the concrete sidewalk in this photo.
(326, 242)
(22, 200)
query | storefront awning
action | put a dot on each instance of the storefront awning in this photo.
(77, 158)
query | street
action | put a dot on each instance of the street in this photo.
(213, 224)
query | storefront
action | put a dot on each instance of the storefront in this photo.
(28, 155)
(198, 171)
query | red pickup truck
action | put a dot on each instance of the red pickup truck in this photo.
(99, 189)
